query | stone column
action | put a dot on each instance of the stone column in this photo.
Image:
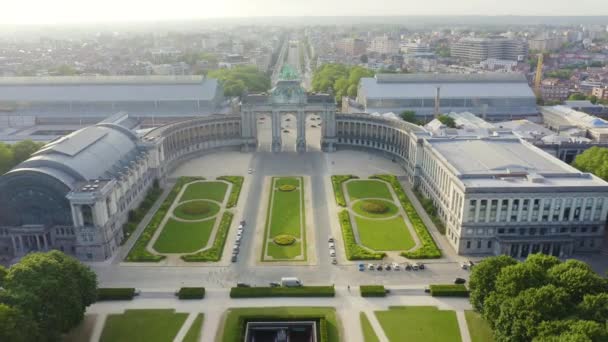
(14, 244)
(37, 237)
(301, 137)
(276, 131)
(21, 246)
(45, 242)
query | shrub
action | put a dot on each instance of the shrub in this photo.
(284, 240)
(336, 182)
(237, 184)
(287, 188)
(372, 291)
(195, 208)
(374, 206)
(135, 216)
(118, 293)
(353, 250)
(449, 290)
(303, 291)
(429, 249)
(191, 293)
(215, 252)
(139, 253)
(431, 210)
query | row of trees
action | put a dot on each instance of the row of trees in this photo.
(342, 79)
(541, 299)
(410, 116)
(43, 296)
(11, 155)
(243, 78)
(592, 98)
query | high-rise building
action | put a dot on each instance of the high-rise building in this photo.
(545, 43)
(480, 49)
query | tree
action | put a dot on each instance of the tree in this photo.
(6, 158)
(240, 78)
(519, 277)
(542, 260)
(483, 278)
(409, 116)
(343, 80)
(570, 331)
(24, 149)
(577, 97)
(577, 278)
(15, 326)
(447, 120)
(594, 307)
(53, 289)
(592, 99)
(594, 160)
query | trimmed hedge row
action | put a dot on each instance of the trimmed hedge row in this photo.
(449, 290)
(118, 293)
(353, 250)
(304, 291)
(429, 249)
(431, 210)
(237, 184)
(215, 252)
(135, 216)
(139, 253)
(336, 182)
(372, 291)
(191, 293)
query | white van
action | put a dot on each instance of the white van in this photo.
(291, 282)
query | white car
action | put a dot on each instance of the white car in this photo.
(239, 234)
(396, 266)
(332, 245)
(332, 252)
(238, 238)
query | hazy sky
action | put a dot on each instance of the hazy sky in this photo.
(78, 11)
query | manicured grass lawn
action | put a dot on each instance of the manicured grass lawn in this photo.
(478, 328)
(183, 237)
(212, 208)
(384, 235)
(392, 210)
(369, 335)
(205, 190)
(422, 323)
(194, 333)
(233, 330)
(143, 326)
(284, 252)
(284, 216)
(368, 189)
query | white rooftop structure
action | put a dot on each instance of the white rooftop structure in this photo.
(561, 118)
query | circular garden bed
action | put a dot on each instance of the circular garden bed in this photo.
(375, 208)
(196, 210)
(287, 188)
(284, 240)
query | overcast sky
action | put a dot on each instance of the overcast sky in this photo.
(78, 11)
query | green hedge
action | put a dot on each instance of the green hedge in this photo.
(431, 210)
(139, 253)
(135, 216)
(303, 291)
(353, 250)
(215, 252)
(429, 249)
(118, 293)
(191, 293)
(237, 184)
(449, 290)
(372, 291)
(336, 182)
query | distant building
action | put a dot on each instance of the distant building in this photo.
(494, 64)
(560, 118)
(352, 46)
(384, 45)
(600, 92)
(479, 49)
(415, 48)
(495, 96)
(552, 89)
(545, 43)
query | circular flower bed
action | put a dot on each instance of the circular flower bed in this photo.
(284, 240)
(287, 188)
(374, 207)
(196, 210)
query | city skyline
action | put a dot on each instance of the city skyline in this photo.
(72, 11)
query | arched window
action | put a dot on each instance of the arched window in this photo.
(87, 215)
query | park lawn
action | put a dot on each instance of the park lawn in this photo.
(233, 329)
(213, 210)
(384, 235)
(369, 335)
(479, 329)
(194, 333)
(150, 325)
(215, 191)
(284, 252)
(419, 323)
(286, 207)
(184, 237)
(358, 189)
(392, 210)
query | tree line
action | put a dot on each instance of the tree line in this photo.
(12, 155)
(341, 79)
(239, 79)
(44, 296)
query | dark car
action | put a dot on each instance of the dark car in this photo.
(274, 284)
(408, 267)
(243, 223)
(459, 281)
(242, 285)
(234, 258)
(379, 267)
(421, 266)
(387, 267)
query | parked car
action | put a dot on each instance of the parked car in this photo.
(243, 223)
(285, 131)
(396, 266)
(421, 265)
(332, 245)
(415, 266)
(332, 252)
(379, 267)
(242, 285)
(427, 290)
(334, 261)
(235, 247)
(459, 281)
(331, 239)
(250, 171)
(239, 237)
(234, 258)
(408, 266)
(274, 284)
(361, 267)
(371, 267)
(464, 265)
(291, 282)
